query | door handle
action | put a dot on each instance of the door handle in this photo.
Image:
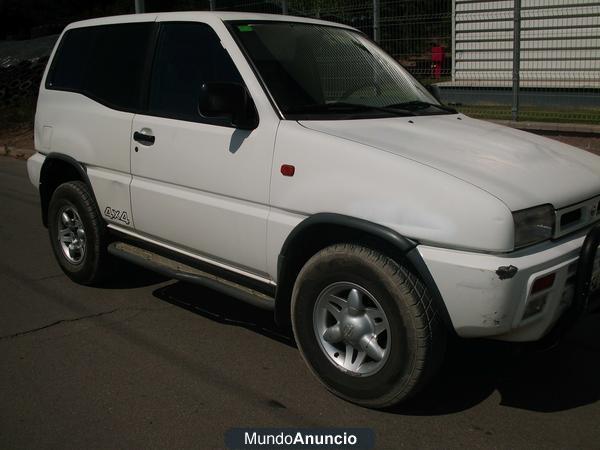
(145, 139)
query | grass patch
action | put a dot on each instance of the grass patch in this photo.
(532, 114)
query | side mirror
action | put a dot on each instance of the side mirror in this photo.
(228, 101)
(435, 92)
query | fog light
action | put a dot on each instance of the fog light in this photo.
(535, 306)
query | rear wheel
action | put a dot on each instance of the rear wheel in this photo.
(78, 233)
(366, 325)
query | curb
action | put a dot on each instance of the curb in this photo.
(14, 152)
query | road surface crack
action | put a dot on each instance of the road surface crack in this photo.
(74, 319)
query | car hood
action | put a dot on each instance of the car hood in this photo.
(521, 169)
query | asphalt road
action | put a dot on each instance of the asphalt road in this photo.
(154, 363)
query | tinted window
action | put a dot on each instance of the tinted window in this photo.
(188, 55)
(105, 63)
(316, 71)
(71, 60)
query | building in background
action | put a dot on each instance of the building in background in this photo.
(559, 53)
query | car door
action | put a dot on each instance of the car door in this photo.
(200, 184)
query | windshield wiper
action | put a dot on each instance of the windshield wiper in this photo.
(334, 107)
(417, 105)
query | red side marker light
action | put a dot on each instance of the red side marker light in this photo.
(541, 284)
(288, 170)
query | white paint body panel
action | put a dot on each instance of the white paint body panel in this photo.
(85, 129)
(217, 194)
(521, 169)
(416, 200)
(206, 187)
(34, 167)
(93, 134)
(111, 188)
(482, 305)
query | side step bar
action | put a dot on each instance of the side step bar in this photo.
(174, 269)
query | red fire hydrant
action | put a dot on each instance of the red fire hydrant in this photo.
(437, 61)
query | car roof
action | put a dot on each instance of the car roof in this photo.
(201, 16)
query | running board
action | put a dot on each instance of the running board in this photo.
(174, 269)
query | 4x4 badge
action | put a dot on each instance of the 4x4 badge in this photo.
(115, 214)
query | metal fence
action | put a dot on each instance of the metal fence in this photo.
(535, 60)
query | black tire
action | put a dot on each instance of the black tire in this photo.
(418, 337)
(94, 266)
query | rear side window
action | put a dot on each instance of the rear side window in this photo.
(188, 55)
(105, 63)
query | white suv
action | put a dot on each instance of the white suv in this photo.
(293, 164)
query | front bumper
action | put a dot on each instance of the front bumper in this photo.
(483, 301)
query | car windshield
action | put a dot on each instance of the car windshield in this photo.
(325, 72)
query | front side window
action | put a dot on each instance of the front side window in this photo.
(105, 62)
(316, 71)
(188, 55)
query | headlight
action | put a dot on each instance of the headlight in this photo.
(533, 225)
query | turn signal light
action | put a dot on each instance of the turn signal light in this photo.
(287, 170)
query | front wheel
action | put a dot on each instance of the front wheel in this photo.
(366, 325)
